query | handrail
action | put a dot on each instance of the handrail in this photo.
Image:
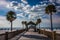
(51, 34)
(9, 35)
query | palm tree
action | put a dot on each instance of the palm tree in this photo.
(49, 10)
(11, 16)
(38, 21)
(23, 23)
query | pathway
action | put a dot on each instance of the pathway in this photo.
(31, 35)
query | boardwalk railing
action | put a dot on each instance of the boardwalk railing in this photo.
(57, 36)
(50, 34)
(9, 35)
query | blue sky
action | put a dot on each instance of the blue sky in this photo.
(28, 10)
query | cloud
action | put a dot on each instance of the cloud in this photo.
(3, 3)
(24, 1)
(21, 15)
(4, 22)
(32, 16)
(2, 17)
(13, 5)
(58, 1)
(27, 9)
(56, 19)
(52, 0)
(37, 10)
(34, 10)
(58, 8)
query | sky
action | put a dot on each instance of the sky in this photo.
(27, 10)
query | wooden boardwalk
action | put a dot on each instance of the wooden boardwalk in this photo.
(31, 35)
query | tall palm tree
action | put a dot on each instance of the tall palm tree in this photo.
(26, 25)
(38, 21)
(49, 10)
(11, 16)
(23, 23)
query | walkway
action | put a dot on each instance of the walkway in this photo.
(31, 35)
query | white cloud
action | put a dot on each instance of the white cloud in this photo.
(51, 0)
(32, 16)
(58, 1)
(4, 3)
(27, 9)
(4, 22)
(58, 8)
(2, 17)
(56, 19)
(21, 5)
(12, 5)
(21, 15)
(24, 1)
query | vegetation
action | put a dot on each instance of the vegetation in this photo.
(26, 25)
(49, 10)
(38, 22)
(23, 23)
(11, 16)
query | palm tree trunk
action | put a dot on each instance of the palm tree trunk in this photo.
(35, 28)
(23, 26)
(11, 26)
(51, 22)
(27, 27)
(39, 27)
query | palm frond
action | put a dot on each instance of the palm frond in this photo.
(11, 16)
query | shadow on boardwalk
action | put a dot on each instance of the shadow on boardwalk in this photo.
(36, 37)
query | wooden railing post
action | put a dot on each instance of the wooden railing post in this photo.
(54, 35)
(6, 36)
(39, 31)
(44, 31)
